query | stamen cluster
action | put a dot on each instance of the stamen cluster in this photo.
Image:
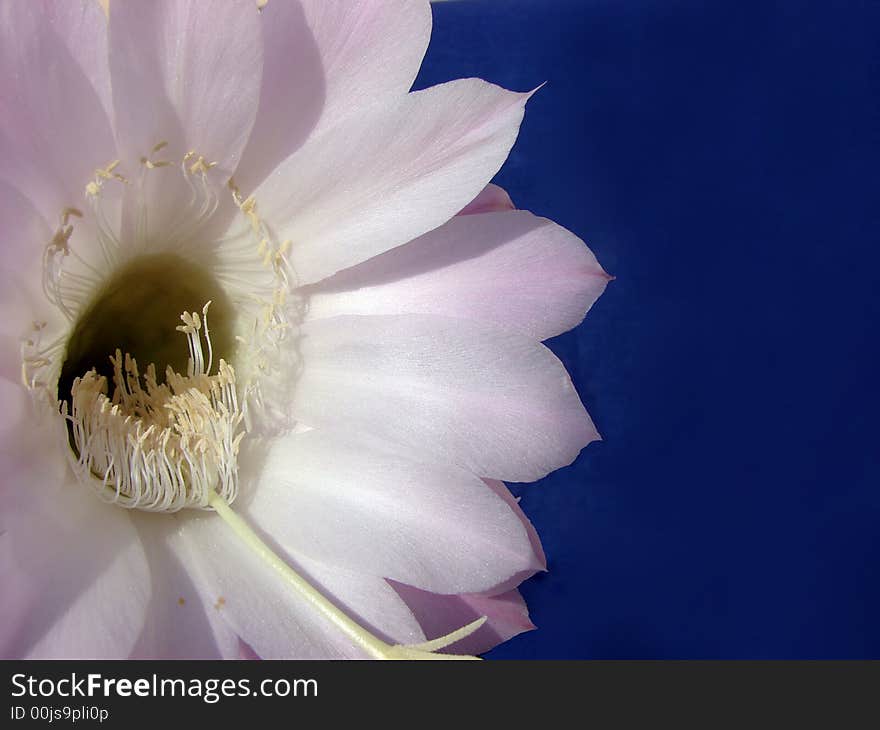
(158, 446)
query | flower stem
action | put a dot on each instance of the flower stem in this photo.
(369, 643)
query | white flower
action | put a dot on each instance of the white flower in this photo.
(254, 200)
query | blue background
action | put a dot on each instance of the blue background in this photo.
(721, 160)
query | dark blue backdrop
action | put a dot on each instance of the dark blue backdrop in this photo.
(721, 160)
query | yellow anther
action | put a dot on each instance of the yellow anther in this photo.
(200, 165)
(249, 208)
(93, 189)
(150, 165)
(67, 212)
(190, 324)
(60, 241)
(106, 173)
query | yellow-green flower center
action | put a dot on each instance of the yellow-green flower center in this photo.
(137, 311)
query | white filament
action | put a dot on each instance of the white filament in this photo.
(159, 447)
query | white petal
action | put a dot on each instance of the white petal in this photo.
(438, 528)
(448, 391)
(389, 174)
(187, 73)
(538, 559)
(74, 575)
(181, 622)
(325, 61)
(269, 615)
(511, 269)
(54, 127)
(371, 601)
(368, 49)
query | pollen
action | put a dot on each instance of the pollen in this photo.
(102, 174)
(155, 164)
(198, 165)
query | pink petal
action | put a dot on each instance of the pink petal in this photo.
(246, 651)
(504, 607)
(500, 488)
(380, 514)
(24, 233)
(54, 127)
(84, 28)
(445, 391)
(14, 411)
(492, 199)
(511, 269)
(23, 230)
(439, 615)
(324, 61)
(388, 174)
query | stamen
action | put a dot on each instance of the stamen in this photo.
(38, 361)
(153, 164)
(107, 239)
(159, 447)
(269, 357)
(54, 255)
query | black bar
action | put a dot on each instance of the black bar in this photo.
(548, 694)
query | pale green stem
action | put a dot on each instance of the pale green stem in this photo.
(369, 643)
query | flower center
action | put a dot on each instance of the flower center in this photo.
(165, 437)
(137, 312)
(154, 420)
